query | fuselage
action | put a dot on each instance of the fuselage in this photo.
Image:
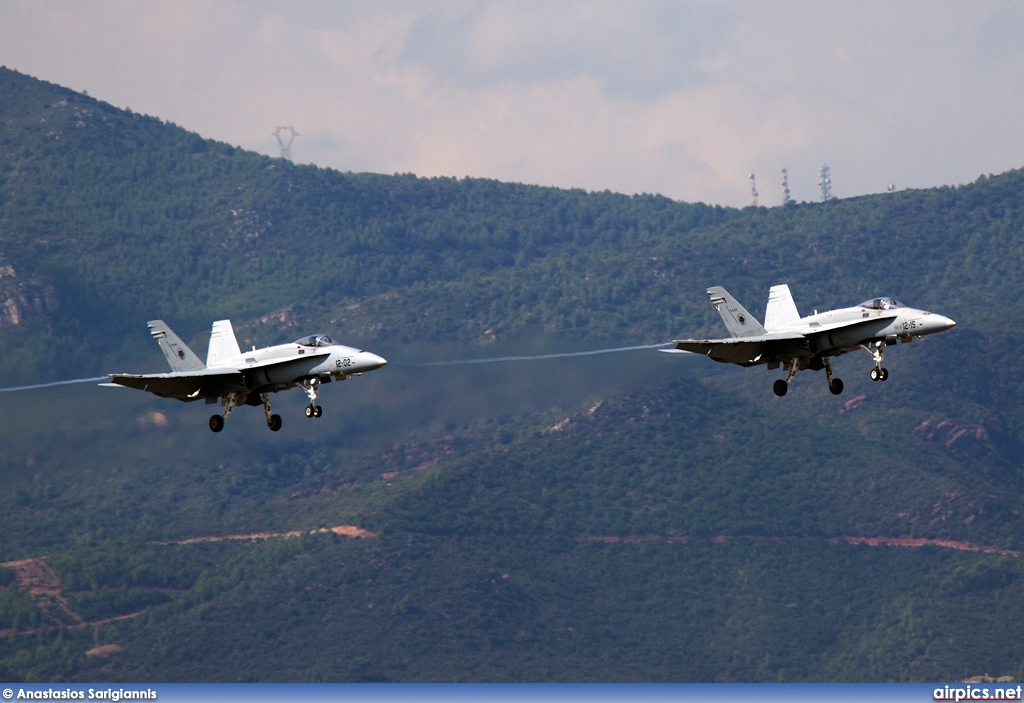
(833, 332)
(314, 357)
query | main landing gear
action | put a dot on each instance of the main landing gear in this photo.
(835, 385)
(233, 399)
(876, 350)
(313, 410)
(781, 387)
(273, 420)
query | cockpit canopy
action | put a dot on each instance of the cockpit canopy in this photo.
(316, 340)
(882, 304)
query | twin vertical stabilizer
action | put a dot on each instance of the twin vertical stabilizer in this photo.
(178, 355)
(223, 344)
(736, 318)
(781, 311)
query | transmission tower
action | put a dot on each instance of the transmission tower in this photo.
(785, 187)
(753, 191)
(825, 183)
(285, 137)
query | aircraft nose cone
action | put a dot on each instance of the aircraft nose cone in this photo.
(375, 361)
(945, 322)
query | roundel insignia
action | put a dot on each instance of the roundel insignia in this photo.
(742, 320)
(181, 354)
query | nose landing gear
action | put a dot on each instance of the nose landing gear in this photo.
(877, 352)
(313, 390)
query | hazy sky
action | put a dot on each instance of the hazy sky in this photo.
(680, 98)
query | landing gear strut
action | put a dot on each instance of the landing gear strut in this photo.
(273, 421)
(780, 387)
(877, 350)
(834, 384)
(313, 410)
(229, 401)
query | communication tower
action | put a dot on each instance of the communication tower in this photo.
(285, 137)
(753, 191)
(785, 187)
(825, 183)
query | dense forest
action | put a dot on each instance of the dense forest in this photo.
(633, 516)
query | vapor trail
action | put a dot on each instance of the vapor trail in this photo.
(538, 357)
(455, 362)
(55, 383)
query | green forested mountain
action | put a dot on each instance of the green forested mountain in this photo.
(626, 517)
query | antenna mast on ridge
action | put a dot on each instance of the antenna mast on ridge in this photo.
(825, 183)
(785, 187)
(285, 137)
(753, 191)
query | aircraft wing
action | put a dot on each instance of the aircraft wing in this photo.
(184, 385)
(748, 351)
(742, 350)
(192, 385)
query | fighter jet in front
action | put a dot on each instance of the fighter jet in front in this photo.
(797, 343)
(237, 378)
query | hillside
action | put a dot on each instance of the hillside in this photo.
(634, 516)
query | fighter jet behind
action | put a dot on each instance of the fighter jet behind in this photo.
(797, 343)
(247, 379)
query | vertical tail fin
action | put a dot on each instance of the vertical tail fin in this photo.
(781, 311)
(223, 344)
(179, 356)
(740, 322)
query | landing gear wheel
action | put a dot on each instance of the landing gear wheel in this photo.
(216, 423)
(876, 373)
(883, 374)
(317, 411)
(836, 386)
(274, 423)
(310, 411)
(780, 388)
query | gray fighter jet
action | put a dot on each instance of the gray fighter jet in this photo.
(796, 343)
(237, 378)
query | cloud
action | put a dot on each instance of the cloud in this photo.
(684, 99)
